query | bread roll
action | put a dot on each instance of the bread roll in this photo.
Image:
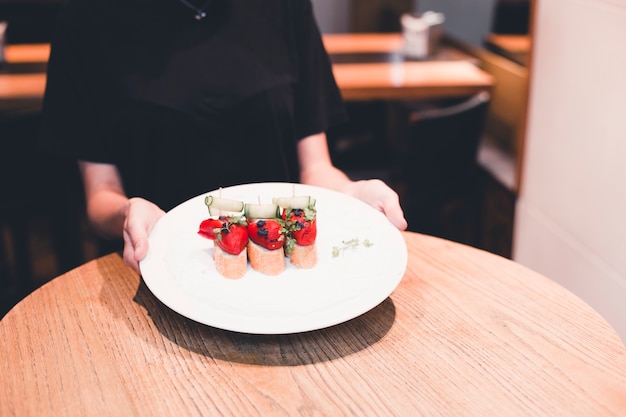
(265, 261)
(304, 256)
(230, 266)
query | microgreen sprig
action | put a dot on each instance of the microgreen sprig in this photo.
(350, 244)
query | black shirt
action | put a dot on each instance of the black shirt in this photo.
(184, 106)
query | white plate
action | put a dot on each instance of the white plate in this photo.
(179, 268)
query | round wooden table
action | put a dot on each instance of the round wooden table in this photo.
(467, 333)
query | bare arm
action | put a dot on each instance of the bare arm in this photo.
(113, 214)
(106, 201)
(316, 168)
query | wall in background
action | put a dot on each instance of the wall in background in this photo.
(468, 20)
(570, 218)
(342, 16)
(333, 16)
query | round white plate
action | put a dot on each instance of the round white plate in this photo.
(179, 268)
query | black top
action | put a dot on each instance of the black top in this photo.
(184, 106)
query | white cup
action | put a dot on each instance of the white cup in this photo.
(421, 33)
(415, 36)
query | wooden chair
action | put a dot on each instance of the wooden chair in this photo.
(439, 169)
(359, 147)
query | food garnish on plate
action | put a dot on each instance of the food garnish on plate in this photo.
(300, 217)
(266, 238)
(263, 234)
(230, 233)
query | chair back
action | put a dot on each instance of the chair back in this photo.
(440, 164)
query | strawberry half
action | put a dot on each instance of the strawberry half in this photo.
(229, 233)
(301, 225)
(306, 234)
(268, 233)
(233, 239)
(209, 228)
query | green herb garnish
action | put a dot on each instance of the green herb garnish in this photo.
(350, 244)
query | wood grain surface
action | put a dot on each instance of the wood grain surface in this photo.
(27, 53)
(342, 43)
(378, 70)
(466, 333)
(22, 86)
(410, 80)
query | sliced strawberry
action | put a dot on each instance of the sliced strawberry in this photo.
(306, 234)
(268, 233)
(301, 224)
(210, 228)
(233, 237)
(229, 233)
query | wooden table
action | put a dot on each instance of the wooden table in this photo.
(466, 333)
(341, 43)
(27, 53)
(23, 79)
(378, 70)
(449, 74)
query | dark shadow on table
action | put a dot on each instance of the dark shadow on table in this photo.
(269, 350)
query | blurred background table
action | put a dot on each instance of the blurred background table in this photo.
(23, 76)
(367, 67)
(466, 333)
(371, 66)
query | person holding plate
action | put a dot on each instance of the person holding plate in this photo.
(162, 100)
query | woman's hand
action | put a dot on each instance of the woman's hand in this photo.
(141, 216)
(317, 169)
(380, 196)
(112, 214)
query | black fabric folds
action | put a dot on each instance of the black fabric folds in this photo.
(184, 106)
